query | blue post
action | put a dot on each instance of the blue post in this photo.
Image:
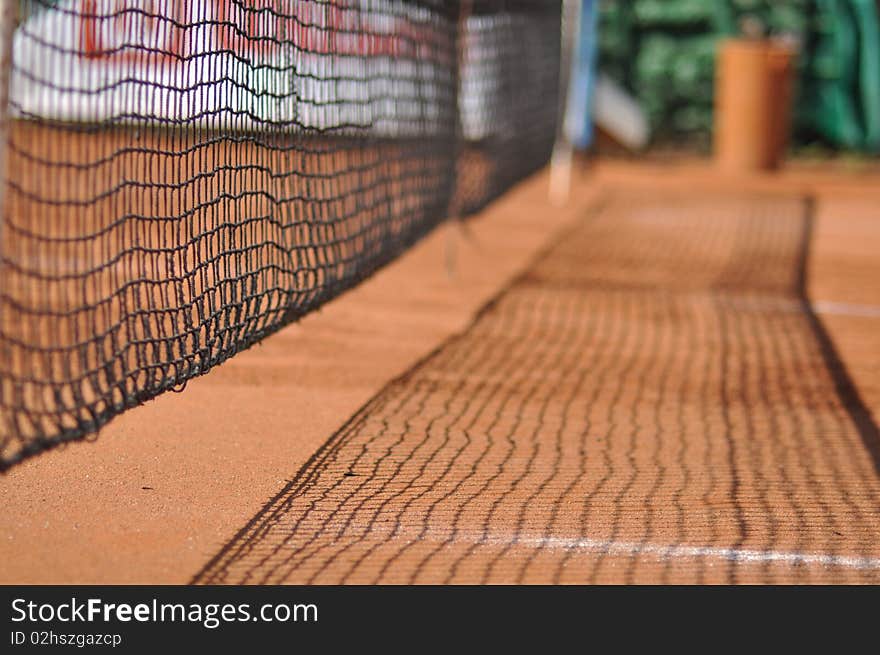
(579, 120)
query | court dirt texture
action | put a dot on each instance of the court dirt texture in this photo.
(673, 378)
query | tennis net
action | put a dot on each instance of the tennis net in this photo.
(184, 177)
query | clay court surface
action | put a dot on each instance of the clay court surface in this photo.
(673, 378)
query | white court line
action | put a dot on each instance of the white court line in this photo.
(748, 556)
(845, 309)
(668, 552)
(791, 305)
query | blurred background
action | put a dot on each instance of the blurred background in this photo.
(659, 63)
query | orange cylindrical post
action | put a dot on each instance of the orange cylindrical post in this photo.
(781, 59)
(752, 104)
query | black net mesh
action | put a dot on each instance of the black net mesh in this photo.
(509, 80)
(185, 177)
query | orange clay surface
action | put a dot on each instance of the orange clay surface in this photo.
(775, 481)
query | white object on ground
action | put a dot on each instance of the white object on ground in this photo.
(619, 115)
